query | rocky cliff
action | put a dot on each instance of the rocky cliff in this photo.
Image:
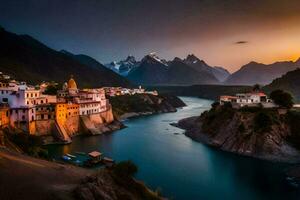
(90, 124)
(254, 132)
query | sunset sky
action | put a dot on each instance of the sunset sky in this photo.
(227, 33)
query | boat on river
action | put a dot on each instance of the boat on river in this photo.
(66, 158)
(70, 155)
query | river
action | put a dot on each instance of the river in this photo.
(181, 168)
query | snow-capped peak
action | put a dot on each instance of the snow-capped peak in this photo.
(154, 56)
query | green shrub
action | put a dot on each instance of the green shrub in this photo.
(215, 105)
(293, 119)
(262, 122)
(125, 169)
(282, 98)
(30, 144)
(250, 109)
(215, 118)
(241, 128)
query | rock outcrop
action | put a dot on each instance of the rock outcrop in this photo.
(257, 133)
(24, 177)
(56, 132)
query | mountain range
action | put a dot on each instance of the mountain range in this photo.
(258, 73)
(123, 67)
(25, 58)
(190, 71)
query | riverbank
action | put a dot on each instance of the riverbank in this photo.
(168, 161)
(238, 131)
(24, 177)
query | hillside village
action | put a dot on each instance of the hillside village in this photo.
(25, 108)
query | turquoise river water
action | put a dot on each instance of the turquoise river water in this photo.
(181, 168)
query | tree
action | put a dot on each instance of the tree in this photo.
(262, 122)
(256, 88)
(51, 89)
(215, 105)
(282, 98)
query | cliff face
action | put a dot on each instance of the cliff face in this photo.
(91, 124)
(258, 133)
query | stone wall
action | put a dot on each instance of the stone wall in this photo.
(72, 125)
(44, 127)
(107, 116)
(102, 118)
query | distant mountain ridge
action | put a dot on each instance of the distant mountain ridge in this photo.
(200, 65)
(155, 71)
(123, 67)
(25, 58)
(289, 82)
(258, 73)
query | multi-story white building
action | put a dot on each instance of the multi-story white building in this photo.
(90, 101)
(247, 99)
(22, 100)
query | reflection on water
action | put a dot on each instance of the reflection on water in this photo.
(182, 168)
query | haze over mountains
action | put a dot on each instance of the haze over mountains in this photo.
(262, 74)
(25, 58)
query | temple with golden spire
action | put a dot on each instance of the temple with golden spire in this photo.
(90, 100)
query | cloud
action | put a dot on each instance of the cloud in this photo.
(241, 42)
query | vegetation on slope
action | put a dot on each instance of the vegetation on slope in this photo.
(289, 82)
(140, 103)
(267, 133)
(116, 183)
(26, 59)
(29, 144)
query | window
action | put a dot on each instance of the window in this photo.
(23, 117)
(5, 100)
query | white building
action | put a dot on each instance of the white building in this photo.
(247, 99)
(22, 100)
(91, 101)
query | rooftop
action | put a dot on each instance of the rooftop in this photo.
(95, 154)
